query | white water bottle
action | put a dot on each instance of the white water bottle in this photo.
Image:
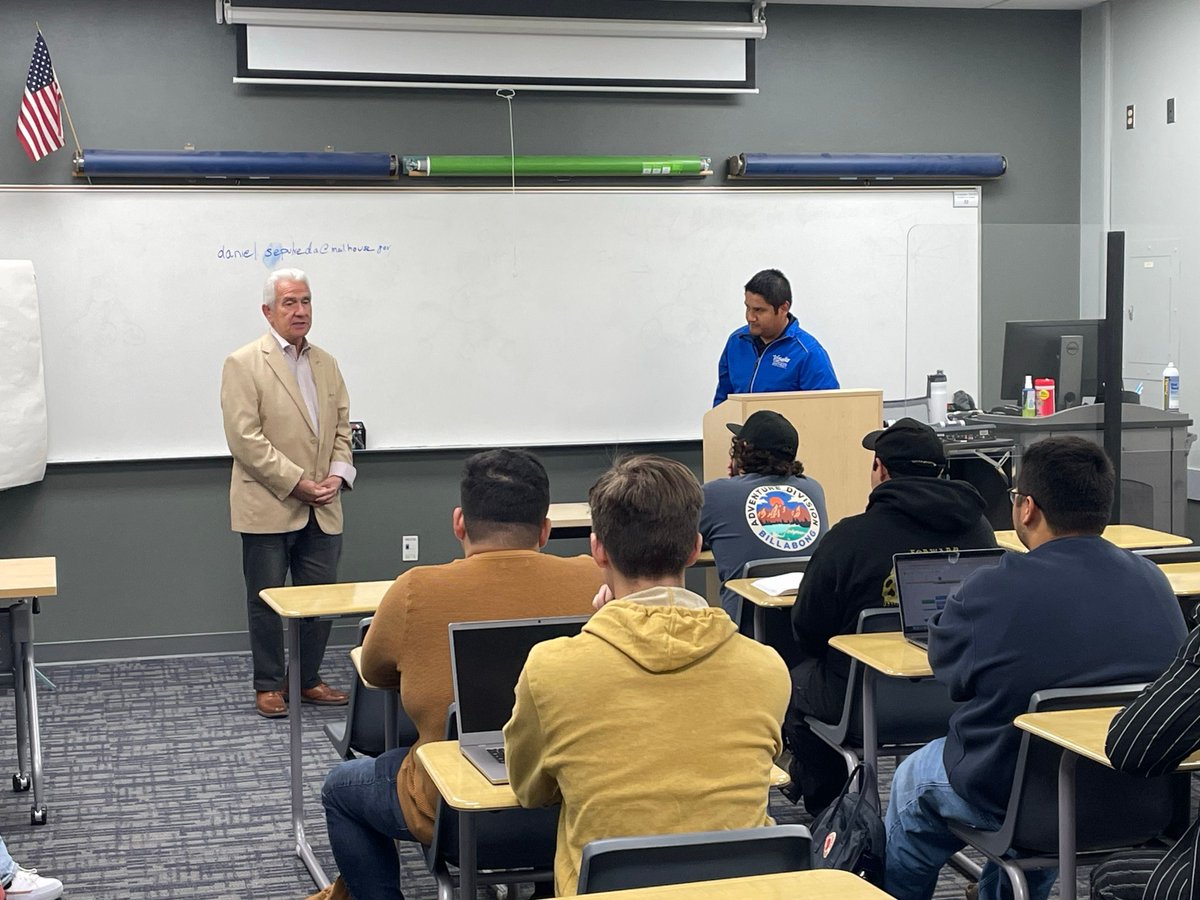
(1171, 388)
(938, 394)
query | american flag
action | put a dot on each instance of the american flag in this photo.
(39, 126)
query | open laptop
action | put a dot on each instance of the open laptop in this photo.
(486, 659)
(924, 581)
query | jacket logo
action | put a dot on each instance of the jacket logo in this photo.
(780, 362)
(782, 517)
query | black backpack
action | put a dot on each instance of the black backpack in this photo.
(849, 833)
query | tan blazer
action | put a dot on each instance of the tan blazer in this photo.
(272, 440)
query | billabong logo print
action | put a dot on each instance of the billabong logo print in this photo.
(780, 362)
(782, 517)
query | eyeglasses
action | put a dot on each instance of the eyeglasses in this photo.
(1016, 495)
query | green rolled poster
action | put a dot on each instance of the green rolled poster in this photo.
(500, 166)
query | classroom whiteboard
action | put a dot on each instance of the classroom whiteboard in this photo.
(479, 317)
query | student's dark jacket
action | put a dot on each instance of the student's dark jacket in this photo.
(1075, 612)
(851, 569)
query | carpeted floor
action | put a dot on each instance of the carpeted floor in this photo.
(162, 782)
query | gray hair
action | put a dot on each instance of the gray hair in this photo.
(277, 276)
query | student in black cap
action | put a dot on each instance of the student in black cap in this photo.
(913, 506)
(768, 507)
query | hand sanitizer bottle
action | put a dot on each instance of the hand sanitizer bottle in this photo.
(1028, 398)
(1171, 388)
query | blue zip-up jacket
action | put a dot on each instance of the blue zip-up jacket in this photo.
(794, 361)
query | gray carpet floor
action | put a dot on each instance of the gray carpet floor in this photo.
(162, 782)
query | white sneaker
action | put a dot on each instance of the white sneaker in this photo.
(27, 884)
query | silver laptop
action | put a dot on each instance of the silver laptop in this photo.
(924, 581)
(486, 659)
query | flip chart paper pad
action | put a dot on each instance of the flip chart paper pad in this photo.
(22, 390)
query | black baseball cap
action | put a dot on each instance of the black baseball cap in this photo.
(769, 431)
(908, 447)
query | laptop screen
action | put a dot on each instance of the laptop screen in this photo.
(487, 658)
(925, 581)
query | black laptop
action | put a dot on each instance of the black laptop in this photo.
(925, 581)
(486, 659)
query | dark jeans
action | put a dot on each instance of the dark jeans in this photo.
(312, 557)
(363, 817)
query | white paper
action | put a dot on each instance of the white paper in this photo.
(778, 585)
(22, 387)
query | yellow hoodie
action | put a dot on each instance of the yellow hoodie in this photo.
(658, 718)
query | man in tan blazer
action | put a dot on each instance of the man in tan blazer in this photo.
(287, 420)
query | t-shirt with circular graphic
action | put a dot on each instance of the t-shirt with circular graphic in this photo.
(757, 516)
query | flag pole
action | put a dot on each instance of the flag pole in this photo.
(63, 97)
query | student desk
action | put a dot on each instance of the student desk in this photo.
(22, 582)
(294, 604)
(1184, 578)
(887, 654)
(1131, 537)
(575, 520)
(744, 588)
(1080, 732)
(569, 520)
(464, 789)
(815, 884)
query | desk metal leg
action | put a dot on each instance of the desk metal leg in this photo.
(20, 779)
(760, 624)
(466, 855)
(870, 730)
(391, 704)
(1067, 888)
(303, 850)
(25, 687)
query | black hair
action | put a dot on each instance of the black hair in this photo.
(505, 495)
(772, 286)
(1072, 482)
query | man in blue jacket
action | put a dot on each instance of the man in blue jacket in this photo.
(1074, 611)
(771, 352)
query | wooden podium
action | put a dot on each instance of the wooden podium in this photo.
(831, 425)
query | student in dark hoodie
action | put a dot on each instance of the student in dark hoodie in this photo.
(913, 506)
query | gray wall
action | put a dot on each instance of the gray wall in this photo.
(144, 548)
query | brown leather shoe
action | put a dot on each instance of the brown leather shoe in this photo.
(270, 704)
(323, 695)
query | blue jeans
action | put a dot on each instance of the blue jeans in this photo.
(362, 815)
(8, 868)
(919, 842)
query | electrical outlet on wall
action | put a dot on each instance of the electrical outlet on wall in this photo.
(408, 548)
(1129, 117)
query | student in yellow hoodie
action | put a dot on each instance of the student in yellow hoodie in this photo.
(659, 717)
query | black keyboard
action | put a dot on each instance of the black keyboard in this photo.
(497, 753)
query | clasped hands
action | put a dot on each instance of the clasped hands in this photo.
(317, 493)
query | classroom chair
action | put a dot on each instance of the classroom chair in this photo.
(365, 729)
(909, 713)
(616, 864)
(777, 622)
(1113, 811)
(512, 845)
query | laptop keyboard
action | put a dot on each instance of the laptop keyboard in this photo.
(497, 753)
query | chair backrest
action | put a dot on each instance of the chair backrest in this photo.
(615, 864)
(365, 715)
(1113, 810)
(778, 621)
(907, 712)
(1160, 555)
(505, 839)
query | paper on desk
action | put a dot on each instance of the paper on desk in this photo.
(778, 585)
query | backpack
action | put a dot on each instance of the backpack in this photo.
(849, 833)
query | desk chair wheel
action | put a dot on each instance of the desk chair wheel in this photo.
(21, 782)
(37, 815)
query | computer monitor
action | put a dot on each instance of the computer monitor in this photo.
(1071, 351)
